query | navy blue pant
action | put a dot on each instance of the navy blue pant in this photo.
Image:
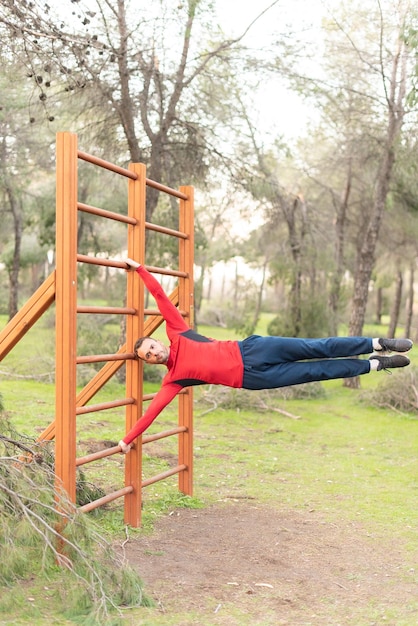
(271, 362)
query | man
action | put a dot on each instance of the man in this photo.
(254, 363)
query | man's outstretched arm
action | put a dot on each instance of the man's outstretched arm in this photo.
(159, 402)
(172, 316)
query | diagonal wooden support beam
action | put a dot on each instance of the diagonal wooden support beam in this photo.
(24, 319)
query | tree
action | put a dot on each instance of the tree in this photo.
(398, 247)
(395, 93)
(362, 95)
(393, 65)
(152, 72)
(284, 209)
(19, 142)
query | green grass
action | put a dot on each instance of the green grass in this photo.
(343, 457)
(341, 453)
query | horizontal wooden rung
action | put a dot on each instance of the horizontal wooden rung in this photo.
(166, 231)
(148, 396)
(165, 189)
(95, 260)
(113, 310)
(156, 312)
(106, 499)
(110, 215)
(166, 272)
(98, 358)
(95, 456)
(106, 165)
(162, 435)
(102, 406)
(163, 475)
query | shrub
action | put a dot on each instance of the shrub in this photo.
(398, 392)
(40, 529)
(152, 374)
(264, 400)
(314, 321)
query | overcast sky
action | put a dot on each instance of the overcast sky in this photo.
(281, 110)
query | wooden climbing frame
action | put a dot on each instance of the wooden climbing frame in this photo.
(62, 286)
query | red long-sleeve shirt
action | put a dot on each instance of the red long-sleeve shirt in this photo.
(193, 360)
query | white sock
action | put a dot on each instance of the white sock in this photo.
(376, 344)
(373, 365)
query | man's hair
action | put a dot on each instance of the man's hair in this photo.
(138, 344)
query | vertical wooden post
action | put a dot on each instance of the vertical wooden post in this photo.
(186, 303)
(134, 329)
(66, 313)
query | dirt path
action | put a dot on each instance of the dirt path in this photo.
(239, 563)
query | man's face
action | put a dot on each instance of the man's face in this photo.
(153, 351)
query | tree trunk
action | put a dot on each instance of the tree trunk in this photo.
(297, 231)
(260, 294)
(379, 305)
(14, 268)
(396, 306)
(236, 287)
(340, 226)
(410, 301)
(199, 287)
(366, 257)
(366, 252)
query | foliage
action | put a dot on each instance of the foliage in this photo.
(265, 400)
(152, 374)
(240, 314)
(39, 530)
(96, 334)
(398, 393)
(160, 109)
(86, 491)
(31, 253)
(150, 77)
(411, 38)
(314, 320)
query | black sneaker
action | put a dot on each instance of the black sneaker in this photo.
(396, 345)
(387, 362)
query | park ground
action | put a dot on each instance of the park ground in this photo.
(239, 562)
(310, 522)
